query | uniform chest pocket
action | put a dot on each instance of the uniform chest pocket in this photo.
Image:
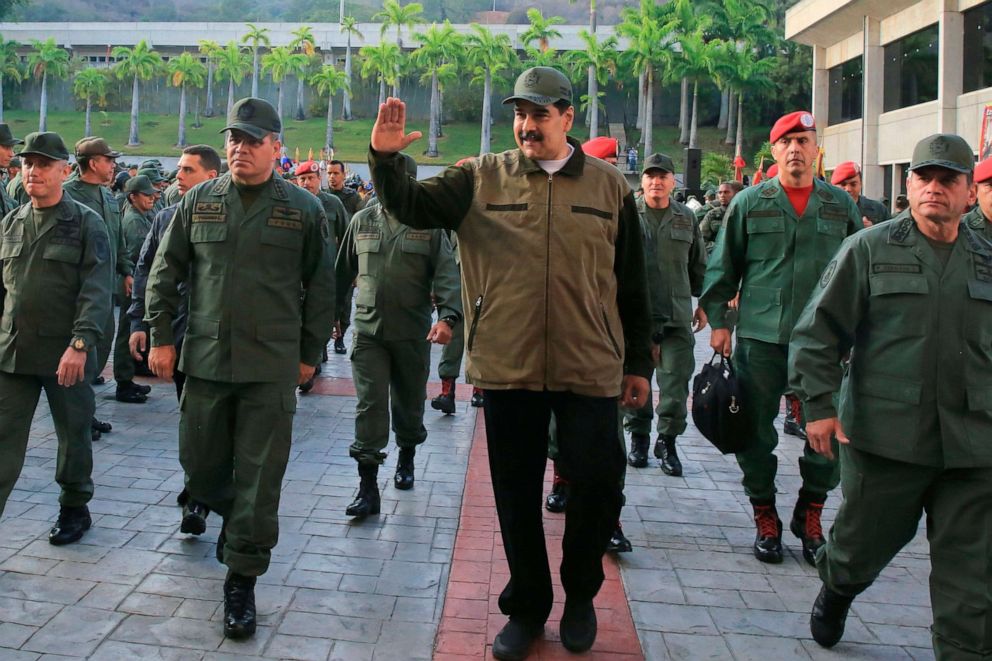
(63, 253)
(680, 234)
(980, 291)
(10, 248)
(416, 245)
(765, 237)
(284, 238)
(208, 232)
(891, 284)
(831, 227)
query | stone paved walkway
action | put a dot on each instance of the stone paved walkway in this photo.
(135, 587)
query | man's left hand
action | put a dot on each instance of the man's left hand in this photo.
(635, 391)
(72, 367)
(440, 333)
(699, 320)
(306, 373)
(128, 284)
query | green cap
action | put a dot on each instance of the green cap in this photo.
(256, 117)
(45, 144)
(943, 150)
(7, 138)
(152, 174)
(541, 85)
(150, 163)
(139, 184)
(95, 147)
(658, 162)
(15, 162)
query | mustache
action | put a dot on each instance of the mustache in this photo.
(532, 136)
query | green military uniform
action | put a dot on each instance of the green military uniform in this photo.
(397, 267)
(873, 210)
(55, 292)
(710, 226)
(916, 404)
(450, 365)
(134, 230)
(15, 189)
(7, 203)
(171, 195)
(976, 220)
(774, 258)
(676, 262)
(352, 200)
(337, 215)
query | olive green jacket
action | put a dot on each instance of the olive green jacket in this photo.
(134, 229)
(55, 286)
(101, 200)
(337, 216)
(553, 282)
(7, 203)
(15, 189)
(977, 221)
(919, 385)
(261, 283)
(710, 226)
(873, 210)
(675, 262)
(396, 270)
(774, 257)
(351, 200)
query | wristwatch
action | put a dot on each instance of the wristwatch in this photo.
(79, 344)
(451, 321)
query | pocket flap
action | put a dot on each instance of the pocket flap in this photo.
(10, 248)
(284, 238)
(832, 227)
(762, 225)
(284, 330)
(204, 327)
(881, 284)
(979, 398)
(762, 295)
(980, 290)
(208, 232)
(367, 245)
(62, 253)
(887, 387)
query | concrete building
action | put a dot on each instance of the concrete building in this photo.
(887, 73)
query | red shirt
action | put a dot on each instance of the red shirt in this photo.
(798, 197)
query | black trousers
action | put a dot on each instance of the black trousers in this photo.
(590, 458)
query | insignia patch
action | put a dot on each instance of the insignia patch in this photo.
(208, 207)
(67, 230)
(983, 272)
(939, 147)
(246, 111)
(828, 273)
(833, 214)
(287, 212)
(101, 247)
(532, 79)
(209, 218)
(368, 234)
(806, 120)
(769, 191)
(419, 235)
(681, 224)
(764, 213)
(901, 231)
(285, 223)
(896, 268)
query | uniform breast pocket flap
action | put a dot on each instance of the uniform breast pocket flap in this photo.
(284, 238)
(10, 249)
(765, 224)
(418, 244)
(832, 227)
(208, 232)
(679, 234)
(63, 253)
(981, 291)
(883, 284)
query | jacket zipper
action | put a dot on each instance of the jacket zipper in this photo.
(547, 283)
(475, 321)
(609, 331)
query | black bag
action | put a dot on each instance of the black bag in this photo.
(718, 410)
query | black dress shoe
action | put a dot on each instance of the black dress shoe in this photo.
(194, 518)
(826, 621)
(95, 434)
(403, 479)
(638, 455)
(793, 428)
(513, 641)
(239, 606)
(618, 542)
(99, 380)
(129, 395)
(307, 385)
(578, 626)
(557, 500)
(72, 523)
(102, 427)
(143, 389)
(339, 347)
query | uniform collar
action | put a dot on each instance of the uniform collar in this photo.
(280, 190)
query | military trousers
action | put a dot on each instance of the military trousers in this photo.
(390, 377)
(673, 373)
(883, 502)
(590, 457)
(452, 352)
(72, 411)
(123, 362)
(234, 443)
(762, 373)
(106, 342)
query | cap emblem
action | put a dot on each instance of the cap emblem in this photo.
(806, 120)
(532, 79)
(246, 111)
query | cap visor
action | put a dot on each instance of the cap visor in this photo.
(947, 165)
(63, 157)
(12, 142)
(250, 129)
(655, 167)
(533, 98)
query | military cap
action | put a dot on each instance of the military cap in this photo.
(601, 147)
(943, 150)
(983, 171)
(47, 144)
(711, 192)
(658, 162)
(7, 138)
(541, 85)
(171, 174)
(794, 122)
(845, 171)
(95, 147)
(150, 163)
(307, 167)
(256, 117)
(139, 184)
(153, 175)
(15, 162)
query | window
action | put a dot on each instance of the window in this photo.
(977, 61)
(911, 70)
(846, 84)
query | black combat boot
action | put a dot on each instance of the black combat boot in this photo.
(367, 500)
(826, 622)
(806, 524)
(239, 606)
(339, 347)
(445, 402)
(557, 500)
(793, 418)
(72, 523)
(768, 538)
(664, 449)
(194, 518)
(403, 479)
(638, 455)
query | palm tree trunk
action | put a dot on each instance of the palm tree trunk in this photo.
(210, 88)
(346, 99)
(329, 136)
(641, 84)
(435, 119)
(1, 98)
(341, 13)
(382, 91)
(486, 114)
(440, 112)
(182, 117)
(279, 110)
(300, 114)
(230, 94)
(731, 118)
(740, 124)
(684, 112)
(254, 72)
(132, 139)
(43, 106)
(395, 91)
(648, 112)
(593, 112)
(724, 109)
(695, 111)
(88, 127)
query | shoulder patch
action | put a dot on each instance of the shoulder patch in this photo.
(896, 268)
(367, 233)
(769, 191)
(901, 231)
(828, 273)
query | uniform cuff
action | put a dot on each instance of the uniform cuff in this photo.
(162, 336)
(820, 407)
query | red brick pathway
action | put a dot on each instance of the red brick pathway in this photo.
(471, 616)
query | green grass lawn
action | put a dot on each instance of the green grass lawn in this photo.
(158, 134)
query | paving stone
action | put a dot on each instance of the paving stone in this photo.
(762, 648)
(687, 647)
(75, 631)
(14, 635)
(112, 650)
(170, 632)
(302, 648)
(331, 602)
(336, 627)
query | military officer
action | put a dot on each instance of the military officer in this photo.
(352, 203)
(709, 203)
(711, 223)
(676, 261)
(847, 175)
(911, 300)
(7, 142)
(777, 238)
(980, 218)
(55, 288)
(13, 168)
(96, 161)
(15, 188)
(397, 269)
(256, 254)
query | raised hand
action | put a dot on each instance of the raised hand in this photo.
(389, 132)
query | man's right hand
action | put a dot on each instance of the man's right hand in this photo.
(820, 433)
(162, 361)
(721, 341)
(137, 343)
(389, 132)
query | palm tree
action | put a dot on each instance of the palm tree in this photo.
(599, 57)
(646, 52)
(329, 81)
(394, 14)
(139, 63)
(257, 37)
(489, 54)
(303, 40)
(542, 58)
(10, 66)
(87, 84)
(439, 47)
(185, 71)
(281, 62)
(233, 64)
(383, 61)
(681, 19)
(542, 30)
(593, 77)
(742, 72)
(697, 59)
(349, 26)
(210, 49)
(47, 61)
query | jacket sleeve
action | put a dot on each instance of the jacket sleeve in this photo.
(632, 291)
(345, 272)
(317, 280)
(697, 261)
(447, 279)
(826, 330)
(440, 201)
(93, 304)
(170, 267)
(148, 250)
(726, 265)
(125, 266)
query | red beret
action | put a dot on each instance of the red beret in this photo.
(601, 147)
(792, 123)
(307, 167)
(845, 171)
(772, 171)
(983, 171)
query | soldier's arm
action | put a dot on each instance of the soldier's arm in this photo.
(697, 261)
(826, 330)
(854, 222)
(317, 279)
(632, 291)
(726, 265)
(124, 264)
(447, 281)
(145, 258)
(93, 301)
(345, 271)
(440, 201)
(169, 268)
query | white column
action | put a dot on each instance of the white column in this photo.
(873, 65)
(821, 87)
(950, 77)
